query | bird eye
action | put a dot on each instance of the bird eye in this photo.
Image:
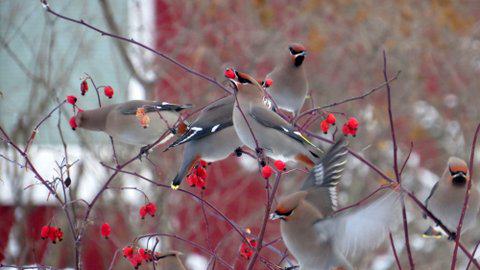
(284, 214)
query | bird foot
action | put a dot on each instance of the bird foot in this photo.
(238, 152)
(259, 150)
(143, 151)
(452, 236)
(173, 131)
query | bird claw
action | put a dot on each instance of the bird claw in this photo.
(452, 236)
(173, 131)
(259, 150)
(143, 151)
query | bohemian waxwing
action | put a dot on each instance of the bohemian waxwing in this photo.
(321, 240)
(290, 86)
(261, 129)
(211, 137)
(447, 196)
(121, 122)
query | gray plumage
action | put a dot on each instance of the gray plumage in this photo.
(318, 238)
(275, 136)
(210, 137)
(446, 198)
(120, 121)
(290, 86)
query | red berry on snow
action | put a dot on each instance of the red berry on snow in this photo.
(203, 163)
(108, 90)
(73, 123)
(84, 87)
(266, 171)
(192, 180)
(331, 119)
(105, 230)
(280, 165)
(72, 99)
(324, 125)
(346, 130)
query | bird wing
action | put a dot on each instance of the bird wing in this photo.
(212, 119)
(321, 183)
(130, 107)
(366, 227)
(270, 119)
(432, 191)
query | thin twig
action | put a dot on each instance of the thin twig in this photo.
(467, 196)
(392, 243)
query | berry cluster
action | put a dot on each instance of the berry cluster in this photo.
(148, 208)
(198, 175)
(245, 250)
(267, 170)
(108, 91)
(350, 127)
(329, 120)
(136, 257)
(51, 232)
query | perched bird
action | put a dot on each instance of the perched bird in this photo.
(122, 123)
(211, 137)
(447, 196)
(265, 131)
(318, 238)
(290, 86)
(169, 261)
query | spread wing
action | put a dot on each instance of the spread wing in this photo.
(131, 107)
(322, 180)
(212, 119)
(366, 227)
(270, 119)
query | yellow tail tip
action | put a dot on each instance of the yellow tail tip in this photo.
(174, 187)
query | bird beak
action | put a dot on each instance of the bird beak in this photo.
(274, 216)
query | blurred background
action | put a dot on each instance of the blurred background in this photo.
(435, 44)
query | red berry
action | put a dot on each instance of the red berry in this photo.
(73, 123)
(84, 87)
(52, 234)
(346, 130)
(143, 211)
(352, 123)
(60, 234)
(324, 125)
(266, 171)
(108, 90)
(192, 180)
(151, 209)
(72, 99)
(331, 119)
(127, 252)
(203, 163)
(201, 172)
(201, 183)
(230, 73)
(280, 165)
(44, 232)
(135, 260)
(268, 83)
(105, 230)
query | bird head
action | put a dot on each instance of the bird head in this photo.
(287, 205)
(297, 53)
(458, 169)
